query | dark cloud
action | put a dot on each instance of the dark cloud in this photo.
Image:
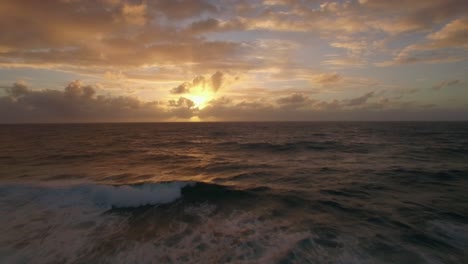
(335, 110)
(199, 81)
(18, 89)
(79, 103)
(75, 90)
(361, 99)
(217, 80)
(295, 100)
(182, 102)
(181, 89)
(330, 105)
(182, 108)
(445, 84)
(221, 101)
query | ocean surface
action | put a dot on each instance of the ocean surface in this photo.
(317, 192)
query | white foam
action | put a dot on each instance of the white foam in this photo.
(60, 222)
(133, 196)
(65, 224)
(103, 196)
(235, 238)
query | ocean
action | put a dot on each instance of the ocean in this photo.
(286, 192)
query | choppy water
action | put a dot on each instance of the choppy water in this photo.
(234, 193)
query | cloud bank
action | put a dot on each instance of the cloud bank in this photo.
(266, 59)
(81, 103)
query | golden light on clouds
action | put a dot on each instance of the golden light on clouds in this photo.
(201, 96)
(223, 60)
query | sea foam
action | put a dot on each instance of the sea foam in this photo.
(103, 196)
(43, 217)
(137, 195)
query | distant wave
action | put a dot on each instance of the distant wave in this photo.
(297, 145)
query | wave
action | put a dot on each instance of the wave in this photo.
(45, 216)
(139, 195)
(106, 196)
(298, 145)
(436, 177)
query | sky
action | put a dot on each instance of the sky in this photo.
(227, 60)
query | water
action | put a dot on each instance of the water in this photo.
(234, 193)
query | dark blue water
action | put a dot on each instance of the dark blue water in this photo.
(234, 193)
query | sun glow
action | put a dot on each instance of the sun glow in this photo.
(200, 97)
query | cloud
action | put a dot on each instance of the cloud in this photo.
(414, 55)
(211, 25)
(353, 17)
(445, 84)
(182, 108)
(181, 89)
(134, 14)
(361, 99)
(182, 9)
(18, 89)
(343, 62)
(335, 110)
(291, 50)
(438, 47)
(327, 78)
(217, 80)
(79, 103)
(108, 36)
(413, 15)
(199, 83)
(75, 90)
(295, 101)
(82, 103)
(355, 48)
(280, 2)
(95, 37)
(206, 25)
(453, 34)
(129, 53)
(182, 102)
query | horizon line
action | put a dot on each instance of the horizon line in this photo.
(239, 121)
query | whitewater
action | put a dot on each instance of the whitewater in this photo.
(331, 192)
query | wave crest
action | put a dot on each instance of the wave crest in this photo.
(139, 195)
(107, 196)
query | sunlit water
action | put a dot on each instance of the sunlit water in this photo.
(234, 193)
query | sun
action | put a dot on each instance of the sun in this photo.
(200, 97)
(199, 100)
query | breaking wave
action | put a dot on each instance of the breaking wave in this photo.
(104, 196)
